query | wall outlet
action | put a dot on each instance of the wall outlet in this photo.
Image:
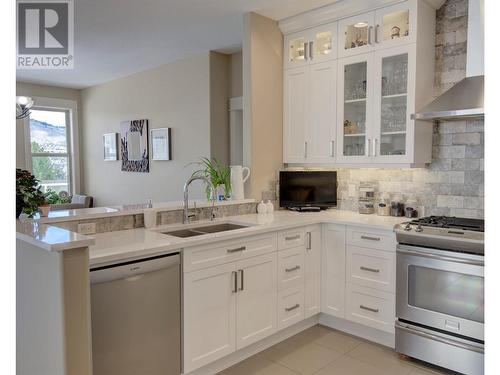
(352, 190)
(86, 228)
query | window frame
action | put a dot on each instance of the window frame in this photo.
(70, 108)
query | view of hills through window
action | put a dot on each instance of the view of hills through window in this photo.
(49, 148)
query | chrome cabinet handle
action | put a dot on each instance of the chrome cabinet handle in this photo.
(309, 241)
(305, 50)
(370, 35)
(292, 269)
(374, 270)
(311, 50)
(370, 238)
(305, 149)
(376, 33)
(241, 278)
(236, 249)
(296, 306)
(368, 144)
(332, 148)
(235, 282)
(291, 238)
(368, 308)
(374, 146)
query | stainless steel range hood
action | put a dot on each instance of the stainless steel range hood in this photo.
(465, 100)
(462, 101)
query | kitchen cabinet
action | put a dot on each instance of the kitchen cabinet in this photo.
(210, 314)
(313, 45)
(361, 115)
(386, 27)
(312, 261)
(377, 94)
(310, 113)
(229, 306)
(333, 270)
(256, 299)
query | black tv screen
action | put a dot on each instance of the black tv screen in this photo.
(308, 189)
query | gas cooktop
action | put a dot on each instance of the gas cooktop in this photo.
(451, 222)
(443, 232)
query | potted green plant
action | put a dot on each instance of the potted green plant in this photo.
(218, 174)
(28, 194)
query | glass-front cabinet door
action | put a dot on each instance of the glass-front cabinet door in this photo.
(296, 49)
(356, 34)
(395, 24)
(323, 43)
(394, 95)
(354, 108)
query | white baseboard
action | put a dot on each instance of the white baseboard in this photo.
(242, 354)
(356, 329)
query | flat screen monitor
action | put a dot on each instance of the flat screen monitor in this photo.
(299, 189)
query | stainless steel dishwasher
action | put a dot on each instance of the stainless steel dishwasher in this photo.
(136, 317)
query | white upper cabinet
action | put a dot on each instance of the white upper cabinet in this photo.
(311, 45)
(356, 110)
(310, 113)
(356, 34)
(385, 27)
(355, 121)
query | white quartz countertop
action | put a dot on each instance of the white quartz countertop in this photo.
(134, 243)
(49, 237)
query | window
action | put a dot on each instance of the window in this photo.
(49, 136)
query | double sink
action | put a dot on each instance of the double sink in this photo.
(204, 229)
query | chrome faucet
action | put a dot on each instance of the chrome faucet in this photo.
(186, 196)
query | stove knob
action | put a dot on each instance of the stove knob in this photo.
(407, 227)
(419, 228)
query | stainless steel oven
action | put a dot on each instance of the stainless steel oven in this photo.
(440, 307)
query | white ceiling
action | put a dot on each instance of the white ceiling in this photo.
(115, 38)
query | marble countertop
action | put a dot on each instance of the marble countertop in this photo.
(134, 243)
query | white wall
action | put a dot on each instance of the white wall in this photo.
(175, 95)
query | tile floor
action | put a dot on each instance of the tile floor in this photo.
(323, 351)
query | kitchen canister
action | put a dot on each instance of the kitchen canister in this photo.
(262, 208)
(238, 181)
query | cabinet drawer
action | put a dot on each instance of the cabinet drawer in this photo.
(290, 267)
(371, 268)
(203, 256)
(374, 239)
(291, 238)
(290, 306)
(371, 307)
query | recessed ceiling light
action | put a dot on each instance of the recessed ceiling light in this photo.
(359, 25)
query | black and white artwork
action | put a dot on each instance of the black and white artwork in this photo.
(160, 140)
(134, 146)
(110, 143)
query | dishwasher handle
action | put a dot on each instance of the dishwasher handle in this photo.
(129, 269)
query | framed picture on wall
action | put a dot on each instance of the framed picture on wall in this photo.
(110, 146)
(134, 146)
(161, 147)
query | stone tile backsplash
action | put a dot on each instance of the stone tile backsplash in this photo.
(123, 222)
(453, 184)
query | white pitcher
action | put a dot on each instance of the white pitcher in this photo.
(238, 181)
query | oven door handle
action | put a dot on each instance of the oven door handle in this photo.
(441, 257)
(439, 338)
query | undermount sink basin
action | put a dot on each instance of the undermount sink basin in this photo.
(206, 229)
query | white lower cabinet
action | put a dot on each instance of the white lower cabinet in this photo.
(333, 270)
(312, 265)
(239, 292)
(290, 306)
(256, 299)
(370, 307)
(209, 315)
